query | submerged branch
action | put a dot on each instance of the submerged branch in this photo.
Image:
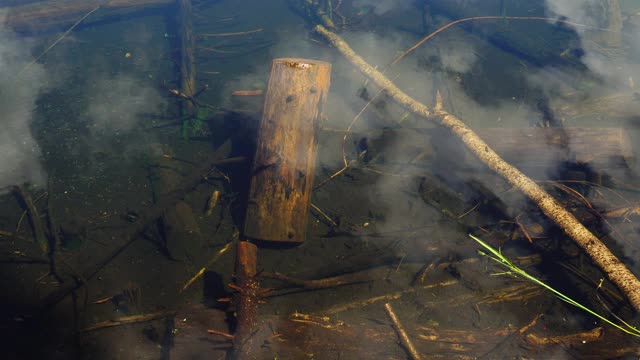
(615, 270)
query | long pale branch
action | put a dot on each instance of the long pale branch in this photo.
(615, 270)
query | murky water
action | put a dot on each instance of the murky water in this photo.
(117, 160)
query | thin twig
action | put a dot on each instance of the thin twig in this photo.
(231, 33)
(445, 27)
(57, 41)
(129, 320)
(204, 268)
(324, 215)
(402, 334)
(223, 334)
(347, 164)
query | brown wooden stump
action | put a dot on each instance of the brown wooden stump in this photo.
(246, 299)
(284, 164)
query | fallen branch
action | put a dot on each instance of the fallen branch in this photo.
(129, 320)
(335, 281)
(615, 270)
(204, 268)
(402, 334)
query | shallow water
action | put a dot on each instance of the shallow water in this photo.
(95, 135)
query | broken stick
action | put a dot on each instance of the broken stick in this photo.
(402, 334)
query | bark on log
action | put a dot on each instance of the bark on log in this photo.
(615, 270)
(246, 300)
(62, 13)
(284, 164)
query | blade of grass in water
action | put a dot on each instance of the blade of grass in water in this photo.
(497, 256)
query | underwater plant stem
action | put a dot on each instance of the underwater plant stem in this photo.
(615, 270)
(497, 256)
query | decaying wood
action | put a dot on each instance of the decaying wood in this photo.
(461, 342)
(246, 299)
(62, 13)
(615, 270)
(300, 334)
(570, 340)
(285, 160)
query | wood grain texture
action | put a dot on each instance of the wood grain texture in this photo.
(284, 164)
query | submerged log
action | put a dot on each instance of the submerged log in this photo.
(246, 299)
(187, 63)
(604, 148)
(535, 149)
(183, 239)
(285, 159)
(618, 105)
(46, 14)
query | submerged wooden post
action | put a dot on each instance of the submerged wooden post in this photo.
(187, 61)
(284, 164)
(246, 299)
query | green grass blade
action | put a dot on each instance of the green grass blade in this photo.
(497, 256)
